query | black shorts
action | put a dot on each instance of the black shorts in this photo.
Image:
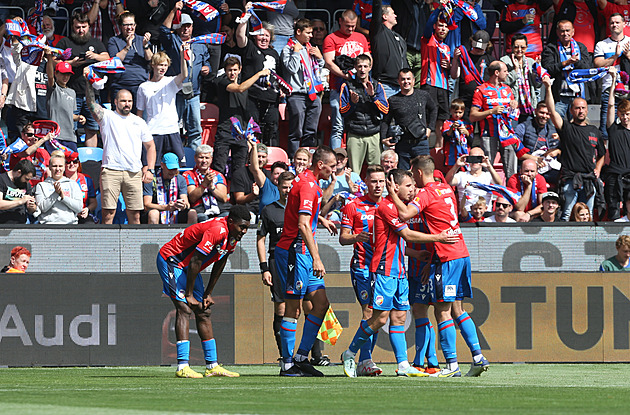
(440, 97)
(277, 296)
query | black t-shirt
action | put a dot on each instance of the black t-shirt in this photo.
(619, 147)
(466, 90)
(77, 81)
(41, 88)
(227, 51)
(255, 60)
(11, 192)
(271, 222)
(107, 27)
(581, 147)
(242, 181)
(231, 104)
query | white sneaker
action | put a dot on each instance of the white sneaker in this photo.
(368, 368)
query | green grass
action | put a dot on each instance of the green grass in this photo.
(523, 388)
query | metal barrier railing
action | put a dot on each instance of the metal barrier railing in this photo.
(6, 11)
(318, 13)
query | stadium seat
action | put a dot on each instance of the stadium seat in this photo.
(276, 154)
(209, 122)
(90, 153)
(190, 157)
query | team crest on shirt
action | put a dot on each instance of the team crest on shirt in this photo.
(298, 285)
(364, 295)
(532, 11)
(378, 300)
(181, 293)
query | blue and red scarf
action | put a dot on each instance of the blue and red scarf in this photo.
(166, 216)
(469, 69)
(239, 134)
(210, 39)
(202, 10)
(575, 50)
(310, 71)
(507, 137)
(578, 76)
(498, 190)
(250, 14)
(97, 70)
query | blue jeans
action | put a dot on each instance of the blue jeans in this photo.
(572, 196)
(280, 42)
(407, 150)
(390, 89)
(189, 111)
(603, 113)
(562, 106)
(336, 120)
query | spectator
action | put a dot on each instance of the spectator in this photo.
(619, 152)
(342, 183)
(61, 102)
(550, 208)
(263, 99)
(59, 199)
(33, 153)
(621, 261)
(48, 29)
(188, 105)
(232, 102)
(268, 186)
(364, 9)
(475, 162)
(166, 197)
(389, 160)
(626, 205)
(22, 94)
(85, 184)
(458, 133)
(206, 187)
(135, 53)
(363, 105)
(463, 28)
(412, 17)
(18, 263)
(480, 53)
(123, 135)
(522, 76)
(502, 209)
(203, 26)
(4, 89)
(477, 211)
(522, 17)
(149, 16)
(245, 190)
(580, 213)
(608, 53)
(301, 161)
(320, 31)
(157, 98)
(586, 18)
(86, 50)
(16, 193)
(608, 8)
(582, 154)
(389, 49)
(229, 47)
(283, 24)
(415, 112)
(531, 186)
(300, 61)
(559, 59)
(437, 66)
(102, 17)
(344, 42)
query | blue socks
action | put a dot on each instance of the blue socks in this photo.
(448, 337)
(422, 340)
(368, 346)
(399, 342)
(209, 351)
(287, 336)
(183, 351)
(469, 332)
(361, 337)
(312, 325)
(432, 359)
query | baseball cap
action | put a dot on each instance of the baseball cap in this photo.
(71, 156)
(64, 67)
(480, 39)
(551, 195)
(185, 19)
(171, 161)
(341, 151)
(261, 148)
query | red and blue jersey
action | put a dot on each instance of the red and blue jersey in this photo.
(457, 145)
(304, 198)
(358, 216)
(389, 246)
(363, 9)
(210, 238)
(415, 267)
(433, 52)
(486, 97)
(437, 206)
(87, 187)
(515, 12)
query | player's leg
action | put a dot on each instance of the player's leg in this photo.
(420, 297)
(317, 358)
(209, 345)
(362, 284)
(312, 324)
(448, 338)
(365, 331)
(397, 318)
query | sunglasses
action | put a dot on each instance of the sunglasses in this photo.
(75, 161)
(29, 134)
(503, 205)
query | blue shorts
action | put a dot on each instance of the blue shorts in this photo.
(296, 273)
(174, 280)
(419, 293)
(390, 293)
(452, 281)
(82, 109)
(362, 283)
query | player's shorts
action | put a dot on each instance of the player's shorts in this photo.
(451, 280)
(440, 97)
(277, 296)
(296, 273)
(390, 293)
(420, 293)
(362, 283)
(174, 280)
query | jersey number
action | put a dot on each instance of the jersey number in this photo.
(449, 201)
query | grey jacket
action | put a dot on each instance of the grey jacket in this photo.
(51, 208)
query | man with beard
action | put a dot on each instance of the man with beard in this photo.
(123, 135)
(16, 193)
(85, 51)
(48, 28)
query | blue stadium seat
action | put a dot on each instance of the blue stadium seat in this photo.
(90, 153)
(190, 157)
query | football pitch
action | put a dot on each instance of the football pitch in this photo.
(506, 388)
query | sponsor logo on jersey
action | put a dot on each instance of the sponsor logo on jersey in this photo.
(442, 192)
(450, 290)
(367, 217)
(378, 300)
(307, 204)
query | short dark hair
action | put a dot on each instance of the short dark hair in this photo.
(458, 104)
(518, 36)
(322, 153)
(374, 168)
(122, 16)
(231, 61)
(25, 166)
(493, 67)
(80, 17)
(281, 164)
(399, 174)
(423, 163)
(404, 71)
(239, 213)
(541, 104)
(362, 57)
(302, 24)
(616, 14)
(285, 176)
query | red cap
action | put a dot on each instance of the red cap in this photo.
(64, 67)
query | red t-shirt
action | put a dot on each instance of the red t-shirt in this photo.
(584, 26)
(39, 158)
(516, 12)
(352, 46)
(611, 9)
(515, 185)
(389, 247)
(437, 206)
(210, 238)
(358, 216)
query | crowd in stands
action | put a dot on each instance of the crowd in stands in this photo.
(511, 132)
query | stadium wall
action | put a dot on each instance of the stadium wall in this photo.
(70, 319)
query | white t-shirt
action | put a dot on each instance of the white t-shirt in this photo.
(605, 49)
(494, 219)
(157, 100)
(122, 141)
(473, 194)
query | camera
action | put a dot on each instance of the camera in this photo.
(474, 159)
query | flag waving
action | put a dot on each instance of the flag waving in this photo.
(201, 9)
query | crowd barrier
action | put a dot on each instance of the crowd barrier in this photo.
(116, 319)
